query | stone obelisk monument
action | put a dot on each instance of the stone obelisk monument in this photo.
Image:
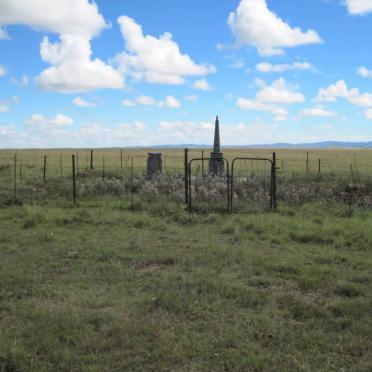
(216, 162)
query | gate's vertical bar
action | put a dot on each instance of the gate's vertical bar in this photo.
(73, 179)
(15, 178)
(91, 159)
(187, 176)
(274, 182)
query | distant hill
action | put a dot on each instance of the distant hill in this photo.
(316, 145)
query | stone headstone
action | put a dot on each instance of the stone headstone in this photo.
(154, 164)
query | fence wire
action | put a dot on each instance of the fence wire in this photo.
(38, 176)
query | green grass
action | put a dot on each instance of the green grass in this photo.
(98, 286)
(342, 162)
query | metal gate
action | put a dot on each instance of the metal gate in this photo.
(206, 193)
(245, 189)
(253, 185)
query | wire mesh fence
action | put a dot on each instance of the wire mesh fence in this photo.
(302, 176)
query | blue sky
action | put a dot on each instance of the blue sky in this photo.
(124, 73)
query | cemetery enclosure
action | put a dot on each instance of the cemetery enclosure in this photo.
(302, 176)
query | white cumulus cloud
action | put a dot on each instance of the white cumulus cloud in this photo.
(334, 91)
(280, 92)
(359, 6)
(170, 102)
(2, 71)
(73, 70)
(364, 72)
(141, 100)
(59, 120)
(266, 67)
(201, 84)
(253, 23)
(340, 90)
(82, 102)
(155, 60)
(280, 113)
(73, 17)
(271, 98)
(77, 22)
(318, 112)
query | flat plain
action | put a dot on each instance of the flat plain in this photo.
(107, 284)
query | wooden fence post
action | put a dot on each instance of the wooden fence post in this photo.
(186, 176)
(203, 163)
(132, 184)
(103, 168)
(20, 172)
(73, 179)
(44, 169)
(319, 169)
(60, 164)
(307, 163)
(91, 159)
(15, 178)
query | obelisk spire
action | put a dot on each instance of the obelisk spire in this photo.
(217, 146)
(216, 161)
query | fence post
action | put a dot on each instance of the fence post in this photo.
(319, 169)
(307, 163)
(15, 178)
(203, 163)
(132, 184)
(103, 168)
(20, 172)
(73, 179)
(187, 176)
(44, 169)
(60, 164)
(273, 188)
(91, 159)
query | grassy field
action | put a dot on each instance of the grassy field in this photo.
(24, 171)
(102, 287)
(108, 284)
(332, 160)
